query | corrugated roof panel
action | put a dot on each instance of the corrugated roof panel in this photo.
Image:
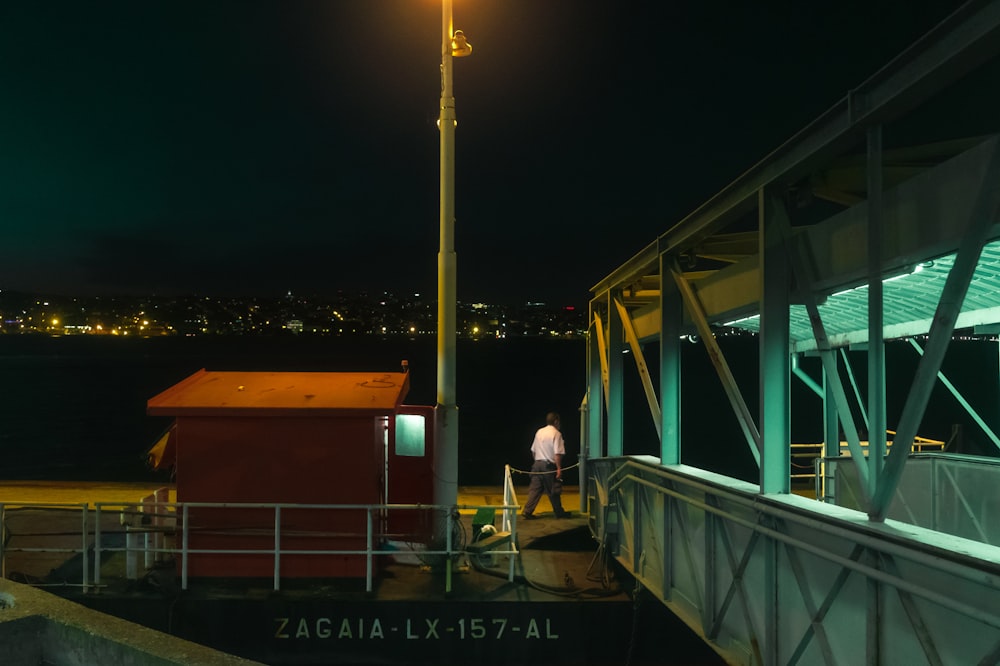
(910, 301)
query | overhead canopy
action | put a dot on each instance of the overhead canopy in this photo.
(924, 220)
(934, 111)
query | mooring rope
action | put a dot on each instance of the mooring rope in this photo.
(529, 472)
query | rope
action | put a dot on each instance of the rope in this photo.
(529, 472)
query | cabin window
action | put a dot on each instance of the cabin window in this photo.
(410, 435)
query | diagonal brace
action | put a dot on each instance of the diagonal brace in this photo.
(739, 405)
(640, 364)
(949, 306)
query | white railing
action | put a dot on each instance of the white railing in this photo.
(509, 519)
(158, 530)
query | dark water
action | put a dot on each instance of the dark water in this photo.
(74, 407)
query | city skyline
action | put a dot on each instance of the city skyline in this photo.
(347, 313)
(254, 146)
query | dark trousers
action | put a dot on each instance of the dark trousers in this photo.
(543, 480)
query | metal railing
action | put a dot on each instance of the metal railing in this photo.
(953, 494)
(780, 579)
(7, 507)
(809, 463)
(166, 529)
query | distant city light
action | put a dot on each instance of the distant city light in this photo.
(200, 315)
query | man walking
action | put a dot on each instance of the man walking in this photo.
(546, 472)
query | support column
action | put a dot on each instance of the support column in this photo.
(831, 417)
(671, 317)
(775, 367)
(595, 394)
(615, 379)
(831, 433)
(981, 219)
(876, 344)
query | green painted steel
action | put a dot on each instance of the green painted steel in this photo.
(595, 395)
(671, 316)
(876, 345)
(969, 409)
(906, 243)
(652, 402)
(781, 579)
(697, 313)
(983, 216)
(775, 367)
(616, 389)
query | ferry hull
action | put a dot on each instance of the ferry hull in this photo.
(279, 631)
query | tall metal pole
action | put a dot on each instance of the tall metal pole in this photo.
(446, 444)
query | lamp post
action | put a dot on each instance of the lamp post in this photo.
(453, 44)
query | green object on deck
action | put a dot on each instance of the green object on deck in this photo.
(484, 516)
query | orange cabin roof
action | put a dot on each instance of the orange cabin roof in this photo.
(282, 394)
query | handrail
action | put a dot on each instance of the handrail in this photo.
(869, 534)
(847, 563)
(180, 510)
(508, 519)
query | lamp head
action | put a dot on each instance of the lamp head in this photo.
(459, 46)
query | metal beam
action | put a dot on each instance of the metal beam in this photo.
(602, 352)
(596, 395)
(849, 369)
(876, 346)
(816, 627)
(802, 268)
(958, 44)
(775, 374)
(640, 364)
(743, 415)
(961, 399)
(616, 381)
(671, 320)
(804, 376)
(912, 233)
(950, 304)
(856, 536)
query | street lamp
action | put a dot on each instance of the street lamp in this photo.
(453, 44)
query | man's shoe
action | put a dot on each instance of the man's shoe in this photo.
(528, 516)
(564, 514)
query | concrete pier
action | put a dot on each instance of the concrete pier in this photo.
(40, 628)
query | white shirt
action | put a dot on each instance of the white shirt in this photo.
(548, 443)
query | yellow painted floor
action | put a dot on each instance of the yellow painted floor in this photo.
(90, 492)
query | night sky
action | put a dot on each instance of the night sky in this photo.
(245, 147)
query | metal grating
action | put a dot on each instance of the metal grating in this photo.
(910, 300)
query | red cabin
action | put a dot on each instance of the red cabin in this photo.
(295, 438)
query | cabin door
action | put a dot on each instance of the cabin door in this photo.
(410, 473)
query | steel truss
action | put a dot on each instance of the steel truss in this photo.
(771, 580)
(764, 576)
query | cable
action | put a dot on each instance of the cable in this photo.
(636, 602)
(459, 539)
(570, 590)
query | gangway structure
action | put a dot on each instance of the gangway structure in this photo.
(874, 227)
